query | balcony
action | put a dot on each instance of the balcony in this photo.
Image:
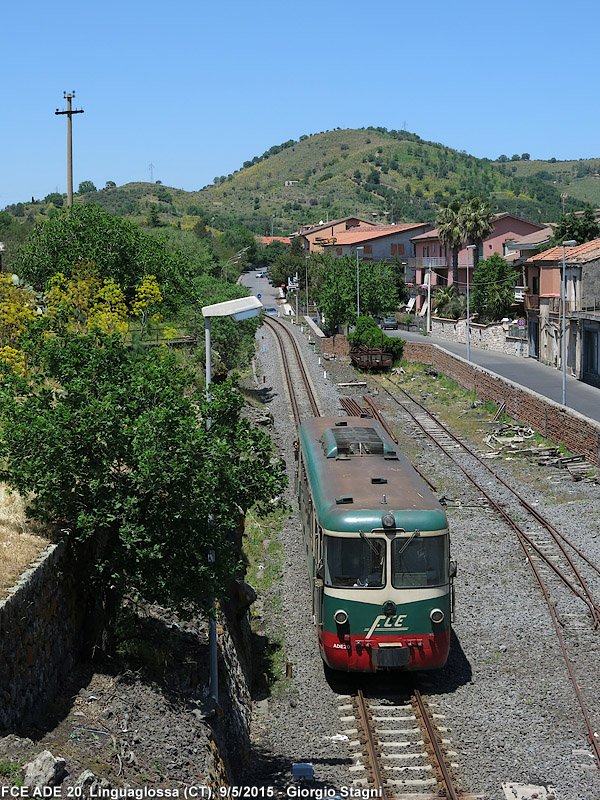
(429, 263)
(532, 302)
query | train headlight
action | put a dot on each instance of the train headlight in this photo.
(437, 615)
(341, 616)
(388, 521)
(389, 608)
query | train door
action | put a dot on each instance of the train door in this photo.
(319, 574)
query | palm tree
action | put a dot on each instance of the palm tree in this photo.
(450, 233)
(475, 222)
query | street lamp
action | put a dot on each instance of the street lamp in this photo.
(469, 247)
(568, 243)
(242, 308)
(306, 257)
(358, 284)
(428, 282)
(235, 259)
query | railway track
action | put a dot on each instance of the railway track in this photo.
(399, 747)
(305, 403)
(567, 578)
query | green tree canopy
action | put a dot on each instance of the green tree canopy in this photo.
(336, 288)
(580, 229)
(55, 198)
(121, 455)
(85, 187)
(492, 292)
(119, 249)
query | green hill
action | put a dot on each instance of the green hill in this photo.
(388, 176)
(579, 180)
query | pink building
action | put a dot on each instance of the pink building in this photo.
(430, 253)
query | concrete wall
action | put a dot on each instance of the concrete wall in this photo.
(41, 633)
(552, 420)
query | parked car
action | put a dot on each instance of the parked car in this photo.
(260, 274)
(271, 312)
(389, 324)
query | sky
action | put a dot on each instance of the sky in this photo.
(185, 91)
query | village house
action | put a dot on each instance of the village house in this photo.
(379, 243)
(544, 304)
(431, 254)
(315, 236)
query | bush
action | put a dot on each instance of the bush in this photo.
(367, 332)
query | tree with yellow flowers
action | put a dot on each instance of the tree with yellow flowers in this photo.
(17, 308)
(84, 302)
(147, 297)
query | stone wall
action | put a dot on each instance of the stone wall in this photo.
(41, 633)
(555, 422)
(487, 337)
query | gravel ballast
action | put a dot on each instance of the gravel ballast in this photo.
(510, 708)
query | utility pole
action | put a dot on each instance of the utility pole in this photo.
(69, 112)
(151, 172)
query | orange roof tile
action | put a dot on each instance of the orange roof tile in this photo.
(587, 251)
(269, 239)
(355, 235)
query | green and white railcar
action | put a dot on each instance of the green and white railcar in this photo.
(378, 549)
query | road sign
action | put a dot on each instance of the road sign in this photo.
(521, 322)
(259, 296)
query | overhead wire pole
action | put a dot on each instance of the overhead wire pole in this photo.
(69, 112)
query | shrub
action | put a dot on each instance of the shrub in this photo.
(367, 332)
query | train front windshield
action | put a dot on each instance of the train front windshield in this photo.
(355, 562)
(419, 561)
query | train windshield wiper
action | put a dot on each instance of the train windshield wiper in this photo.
(408, 541)
(370, 543)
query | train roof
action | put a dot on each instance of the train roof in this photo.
(358, 475)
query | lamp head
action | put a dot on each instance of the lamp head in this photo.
(570, 243)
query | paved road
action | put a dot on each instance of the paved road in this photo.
(527, 372)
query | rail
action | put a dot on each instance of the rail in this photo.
(528, 545)
(279, 328)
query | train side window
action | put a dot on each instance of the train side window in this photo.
(354, 562)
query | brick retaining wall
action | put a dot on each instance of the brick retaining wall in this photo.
(578, 433)
(336, 345)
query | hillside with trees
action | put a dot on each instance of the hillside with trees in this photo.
(379, 174)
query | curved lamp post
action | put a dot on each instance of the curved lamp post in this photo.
(568, 243)
(235, 259)
(242, 308)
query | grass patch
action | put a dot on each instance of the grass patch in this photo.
(12, 771)
(264, 557)
(21, 540)
(262, 549)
